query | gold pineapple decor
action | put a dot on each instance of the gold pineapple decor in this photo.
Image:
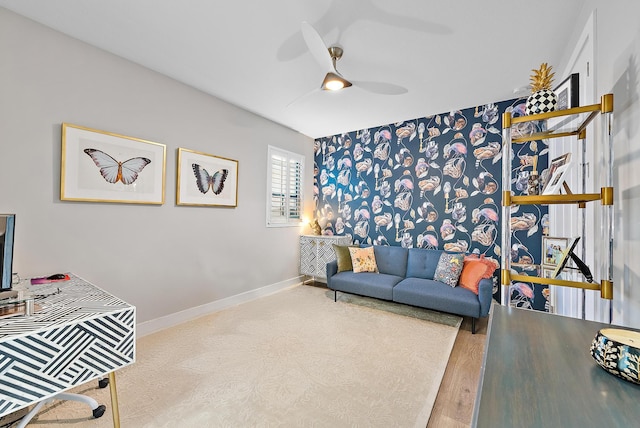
(542, 78)
(542, 98)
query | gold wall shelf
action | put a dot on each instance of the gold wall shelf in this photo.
(575, 198)
(562, 123)
(604, 286)
(583, 116)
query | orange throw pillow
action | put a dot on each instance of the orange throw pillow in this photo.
(491, 264)
(472, 273)
(475, 269)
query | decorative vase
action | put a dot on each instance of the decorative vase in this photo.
(533, 185)
(542, 101)
(315, 227)
(616, 351)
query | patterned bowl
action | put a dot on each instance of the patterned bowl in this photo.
(616, 351)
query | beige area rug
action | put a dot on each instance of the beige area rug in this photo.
(292, 359)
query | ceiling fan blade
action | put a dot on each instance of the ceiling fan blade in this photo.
(381, 88)
(316, 46)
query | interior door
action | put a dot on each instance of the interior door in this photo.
(568, 220)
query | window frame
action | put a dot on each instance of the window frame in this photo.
(285, 220)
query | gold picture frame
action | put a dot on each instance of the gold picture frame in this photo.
(206, 180)
(100, 166)
(552, 249)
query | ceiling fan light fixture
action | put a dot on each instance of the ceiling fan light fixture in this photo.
(334, 82)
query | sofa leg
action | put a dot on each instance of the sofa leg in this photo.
(473, 325)
(335, 295)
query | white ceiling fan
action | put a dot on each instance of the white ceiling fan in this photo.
(333, 80)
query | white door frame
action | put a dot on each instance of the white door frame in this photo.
(568, 221)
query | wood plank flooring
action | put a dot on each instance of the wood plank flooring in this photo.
(454, 404)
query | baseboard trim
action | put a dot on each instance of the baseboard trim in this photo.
(157, 324)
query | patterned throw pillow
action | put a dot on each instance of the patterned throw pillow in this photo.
(343, 257)
(363, 259)
(449, 268)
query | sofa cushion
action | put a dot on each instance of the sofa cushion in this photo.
(391, 260)
(422, 263)
(474, 270)
(378, 285)
(437, 296)
(343, 257)
(490, 262)
(449, 268)
(472, 273)
(363, 259)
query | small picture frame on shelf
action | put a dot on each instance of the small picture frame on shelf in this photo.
(564, 257)
(555, 174)
(580, 265)
(547, 273)
(568, 95)
(552, 249)
(568, 92)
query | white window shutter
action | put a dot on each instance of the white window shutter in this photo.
(285, 184)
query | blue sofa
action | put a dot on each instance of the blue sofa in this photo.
(406, 276)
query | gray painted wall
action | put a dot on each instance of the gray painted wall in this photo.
(163, 259)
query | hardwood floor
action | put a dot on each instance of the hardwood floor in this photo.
(454, 404)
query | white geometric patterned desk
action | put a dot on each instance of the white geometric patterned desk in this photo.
(81, 333)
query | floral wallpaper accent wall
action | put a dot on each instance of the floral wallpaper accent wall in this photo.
(432, 182)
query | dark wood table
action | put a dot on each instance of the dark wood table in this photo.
(538, 372)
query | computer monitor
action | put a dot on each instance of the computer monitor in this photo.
(7, 233)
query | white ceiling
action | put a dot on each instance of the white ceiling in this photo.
(448, 54)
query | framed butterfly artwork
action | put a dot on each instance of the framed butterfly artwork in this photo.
(206, 180)
(100, 166)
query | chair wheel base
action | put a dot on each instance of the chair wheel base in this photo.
(99, 411)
